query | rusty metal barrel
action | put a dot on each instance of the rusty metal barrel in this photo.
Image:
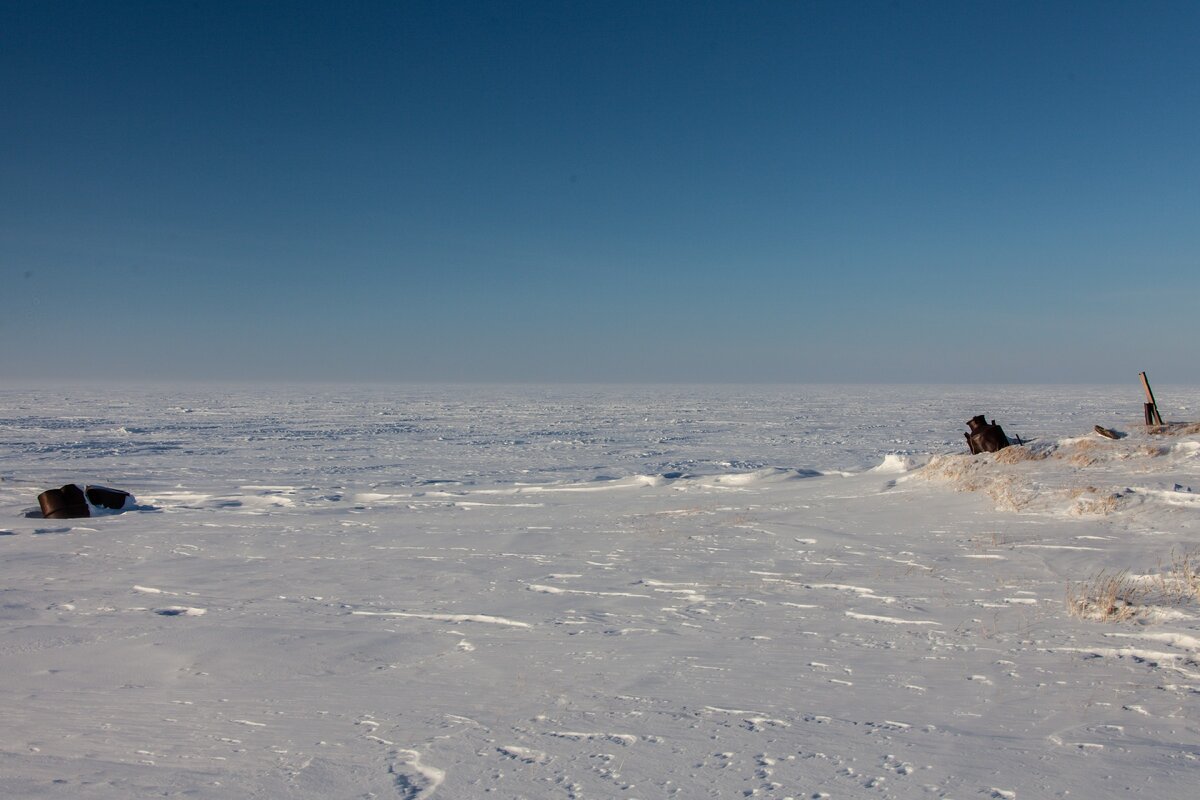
(65, 503)
(103, 497)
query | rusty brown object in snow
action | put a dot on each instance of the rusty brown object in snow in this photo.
(984, 437)
(65, 503)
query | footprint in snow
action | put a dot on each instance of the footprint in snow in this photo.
(180, 611)
(414, 780)
(524, 754)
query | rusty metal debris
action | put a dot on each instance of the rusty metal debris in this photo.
(985, 437)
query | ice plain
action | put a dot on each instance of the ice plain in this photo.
(593, 592)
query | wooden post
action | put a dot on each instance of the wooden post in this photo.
(1152, 415)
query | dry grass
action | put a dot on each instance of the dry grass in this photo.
(1117, 597)
(1093, 502)
(1180, 579)
(1017, 453)
(1096, 507)
(1014, 480)
(1083, 453)
(966, 473)
(1173, 429)
(1107, 597)
(1008, 493)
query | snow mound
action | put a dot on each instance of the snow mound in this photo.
(1079, 475)
(895, 464)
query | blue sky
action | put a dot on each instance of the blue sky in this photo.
(605, 191)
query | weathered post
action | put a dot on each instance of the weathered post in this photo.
(1150, 407)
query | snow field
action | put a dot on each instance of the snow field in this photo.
(280, 624)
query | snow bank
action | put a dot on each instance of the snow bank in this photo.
(1082, 475)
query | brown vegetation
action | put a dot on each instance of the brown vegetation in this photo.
(1106, 597)
(1116, 597)
(1017, 453)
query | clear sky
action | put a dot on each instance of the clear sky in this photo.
(600, 191)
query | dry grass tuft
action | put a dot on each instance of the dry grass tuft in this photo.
(1093, 502)
(1180, 580)
(1098, 507)
(1106, 597)
(1088, 452)
(1116, 597)
(1083, 453)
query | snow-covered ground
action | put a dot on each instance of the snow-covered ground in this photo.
(582, 592)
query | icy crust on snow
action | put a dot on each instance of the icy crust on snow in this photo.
(424, 592)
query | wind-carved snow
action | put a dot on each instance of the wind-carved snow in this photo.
(150, 590)
(534, 587)
(862, 591)
(425, 592)
(1180, 640)
(452, 618)
(890, 620)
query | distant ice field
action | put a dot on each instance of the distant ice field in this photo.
(406, 436)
